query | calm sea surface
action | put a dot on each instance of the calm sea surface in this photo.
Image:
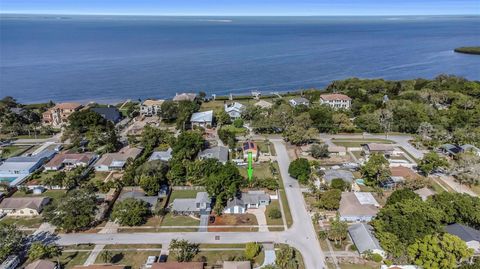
(113, 58)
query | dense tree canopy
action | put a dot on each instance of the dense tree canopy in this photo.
(11, 240)
(187, 145)
(300, 169)
(400, 195)
(375, 170)
(130, 212)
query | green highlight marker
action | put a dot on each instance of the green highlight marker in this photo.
(250, 168)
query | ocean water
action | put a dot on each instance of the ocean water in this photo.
(108, 58)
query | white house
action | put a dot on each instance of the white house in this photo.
(23, 206)
(358, 207)
(151, 107)
(336, 100)
(299, 101)
(234, 110)
(202, 119)
(251, 199)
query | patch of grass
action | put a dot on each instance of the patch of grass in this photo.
(134, 259)
(71, 259)
(237, 131)
(270, 221)
(156, 230)
(13, 150)
(52, 194)
(260, 170)
(172, 220)
(100, 176)
(79, 247)
(212, 105)
(180, 194)
(132, 246)
(266, 147)
(222, 246)
(286, 208)
(27, 222)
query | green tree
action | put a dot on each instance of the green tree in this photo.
(251, 250)
(149, 184)
(169, 110)
(443, 252)
(457, 207)
(400, 195)
(222, 117)
(238, 123)
(177, 173)
(301, 131)
(40, 251)
(286, 258)
(275, 213)
(224, 183)
(300, 169)
(330, 199)
(228, 137)
(338, 230)
(74, 212)
(375, 170)
(319, 151)
(106, 256)
(187, 145)
(130, 212)
(430, 162)
(339, 184)
(183, 250)
(11, 240)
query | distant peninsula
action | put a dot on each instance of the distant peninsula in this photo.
(468, 50)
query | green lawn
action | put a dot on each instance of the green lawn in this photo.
(179, 194)
(132, 246)
(27, 222)
(270, 221)
(13, 150)
(53, 194)
(134, 259)
(71, 259)
(286, 208)
(100, 176)
(171, 220)
(260, 170)
(237, 131)
(355, 143)
(266, 147)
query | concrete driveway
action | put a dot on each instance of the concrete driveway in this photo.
(261, 219)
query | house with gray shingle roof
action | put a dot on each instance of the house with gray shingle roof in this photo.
(219, 153)
(467, 234)
(165, 155)
(246, 200)
(23, 206)
(364, 239)
(299, 101)
(200, 205)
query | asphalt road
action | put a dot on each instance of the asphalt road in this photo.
(301, 234)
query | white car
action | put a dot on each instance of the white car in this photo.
(150, 261)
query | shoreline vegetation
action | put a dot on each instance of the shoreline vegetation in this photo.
(468, 50)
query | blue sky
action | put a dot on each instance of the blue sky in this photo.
(243, 7)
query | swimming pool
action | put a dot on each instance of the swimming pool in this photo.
(7, 179)
(360, 181)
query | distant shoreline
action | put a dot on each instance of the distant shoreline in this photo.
(468, 50)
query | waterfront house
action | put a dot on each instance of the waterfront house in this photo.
(200, 205)
(109, 113)
(117, 160)
(469, 235)
(219, 153)
(23, 206)
(450, 150)
(151, 107)
(234, 110)
(58, 115)
(364, 239)
(336, 100)
(164, 155)
(246, 200)
(202, 119)
(263, 104)
(70, 160)
(299, 101)
(250, 147)
(470, 148)
(185, 97)
(358, 207)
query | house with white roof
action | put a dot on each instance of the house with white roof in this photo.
(299, 101)
(358, 207)
(185, 97)
(336, 100)
(202, 119)
(364, 239)
(246, 200)
(151, 107)
(14, 170)
(164, 155)
(234, 110)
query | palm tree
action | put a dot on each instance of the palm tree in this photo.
(106, 256)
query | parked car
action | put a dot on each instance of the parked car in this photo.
(150, 261)
(162, 258)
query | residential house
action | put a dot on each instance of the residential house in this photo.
(23, 206)
(164, 155)
(42, 264)
(117, 160)
(467, 234)
(177, 265)
(263, 104)
(358, 207)
(185, 97)
(234, 110)
(299, 101)
(70, 160)
(405, 172)
(337, 150)
(219, 153)
(138, 194)
(332, 174)
(336, 100)
(246, 200)
(109, 113)
(151, 107)
(424, 193)
(237, 265)
(250, 147)
(451, 150)
(14, 170)
(17, 110)
(203, 119)
(372, 148)
(59, 114)
(364, 239)
(200, 205)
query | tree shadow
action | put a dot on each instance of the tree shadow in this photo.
(117, 257)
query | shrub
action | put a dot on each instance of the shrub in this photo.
(238, 123)
(275, 213)
(251, 250)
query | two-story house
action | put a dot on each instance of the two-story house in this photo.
(336, 100)
(59, 114)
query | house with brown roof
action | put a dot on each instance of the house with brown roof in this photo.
(70, 160)
(178, 265)
(59, 114)
(42, 264)
(237, 265)
(371, 148)
(23, 206)
(117, 160)
(250, 147)
(358, 207)
(336, 100)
